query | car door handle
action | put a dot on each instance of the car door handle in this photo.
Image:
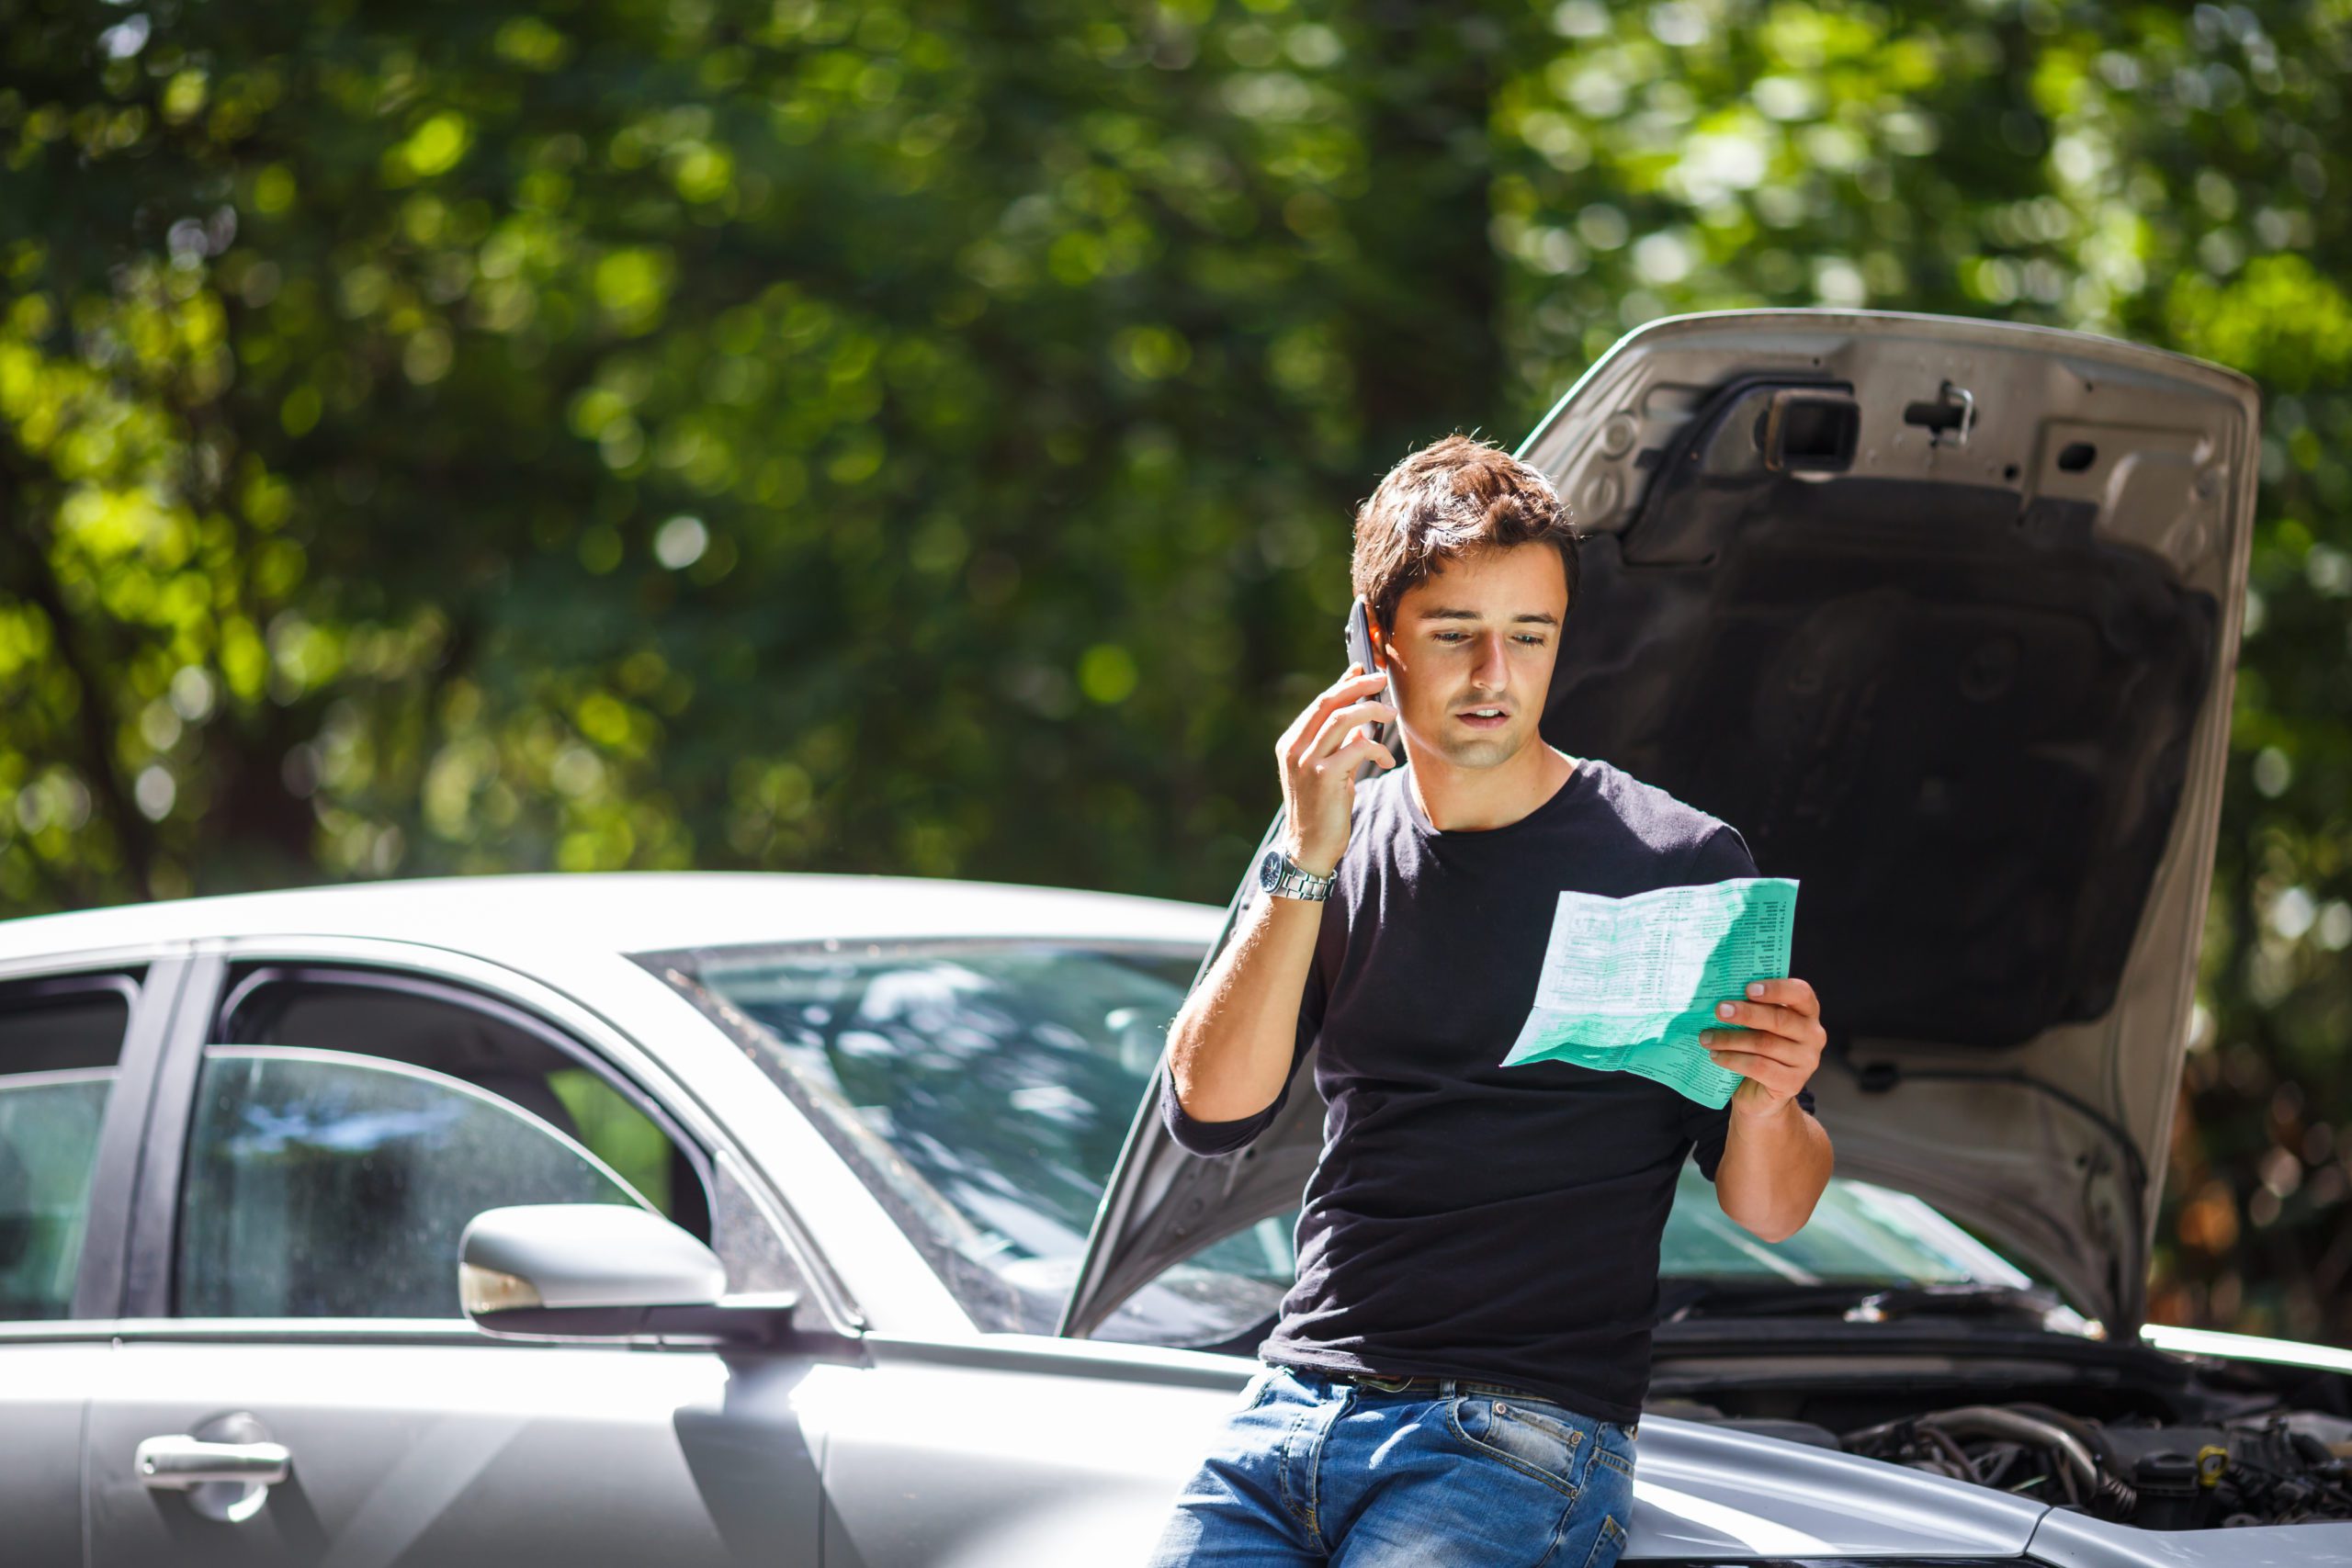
(179, 1461)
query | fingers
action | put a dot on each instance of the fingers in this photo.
(1722, 1044)
(1746, 1064)
(1774, 1038)
(1348, 687)
(1348, 758)
(1319, 770)
(1310, 717)
(1770, 1018)
(1780, 1081)
(1337, 727)
(1793, 994)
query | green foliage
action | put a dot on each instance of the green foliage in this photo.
(920, 437)
(617, 1131)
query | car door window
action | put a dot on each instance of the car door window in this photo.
(348, 1123)
(60, 1045)
(324, 1185)
(498, 1049)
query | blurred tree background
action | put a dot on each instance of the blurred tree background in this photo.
(920, 437)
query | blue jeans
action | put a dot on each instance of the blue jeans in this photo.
(1309, 1470)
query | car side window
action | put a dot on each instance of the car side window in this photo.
(59, 1047)
(320, 1184)
(339, 1186)
(346, 1127)
(503, 1053)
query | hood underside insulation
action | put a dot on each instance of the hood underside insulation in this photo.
(1962, 721)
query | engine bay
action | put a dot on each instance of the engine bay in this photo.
(2152, 1439)
(2275, 1470)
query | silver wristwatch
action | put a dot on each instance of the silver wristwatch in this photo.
(1285, 878)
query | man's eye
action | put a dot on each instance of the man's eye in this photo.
(1532, 641)
(1452, 637)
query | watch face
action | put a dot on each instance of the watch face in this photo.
(1270, 870)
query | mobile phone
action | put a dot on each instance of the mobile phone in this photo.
(1360, 653)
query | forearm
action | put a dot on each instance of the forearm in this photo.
(1774, 1169)
(1229, 1050)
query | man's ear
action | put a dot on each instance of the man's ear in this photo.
(1379, 643)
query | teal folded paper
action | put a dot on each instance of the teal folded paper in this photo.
(1628, 983)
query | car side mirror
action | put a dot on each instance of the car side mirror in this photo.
(603, 1271)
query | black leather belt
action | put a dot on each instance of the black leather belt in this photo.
(1449, 1385)
(1433, 1385)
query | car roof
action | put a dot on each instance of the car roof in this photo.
(623, 912)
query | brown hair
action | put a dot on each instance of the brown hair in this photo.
(1449, 498)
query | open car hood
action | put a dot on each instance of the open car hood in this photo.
(1943, 615)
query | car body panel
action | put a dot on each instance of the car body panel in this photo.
(998, 1430)
(47, 1365)
(447, 1450)
(45, 1383)
(1008, 1451)
(530, 917)
(2041, 1119)
(2076, 1540)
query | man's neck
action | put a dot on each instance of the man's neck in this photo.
(1473, 800)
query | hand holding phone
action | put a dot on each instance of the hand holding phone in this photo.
(1320, 754)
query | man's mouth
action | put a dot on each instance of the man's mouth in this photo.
(1492, 718)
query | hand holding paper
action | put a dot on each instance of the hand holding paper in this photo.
(1628, 984)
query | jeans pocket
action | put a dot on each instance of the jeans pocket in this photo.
(1254, 1393)
(1531, 1441)
(1608, 1545)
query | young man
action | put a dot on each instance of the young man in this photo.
(1457, 1374)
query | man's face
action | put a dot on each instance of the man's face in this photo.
(1472, 651)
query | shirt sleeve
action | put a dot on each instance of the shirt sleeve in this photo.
(1223, 1137)
(1719, 857)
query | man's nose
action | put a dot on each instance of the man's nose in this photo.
(1493, 670)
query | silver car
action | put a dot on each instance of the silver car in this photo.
(699, 1219)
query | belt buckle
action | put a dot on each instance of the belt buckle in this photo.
(1386, 1385)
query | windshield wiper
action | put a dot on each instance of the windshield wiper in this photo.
(1683, 1300)
(1970, 1299)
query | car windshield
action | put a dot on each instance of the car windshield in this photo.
(1857, 1234)
(983, 1090)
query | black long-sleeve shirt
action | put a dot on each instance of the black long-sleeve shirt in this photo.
(1470, 1220)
